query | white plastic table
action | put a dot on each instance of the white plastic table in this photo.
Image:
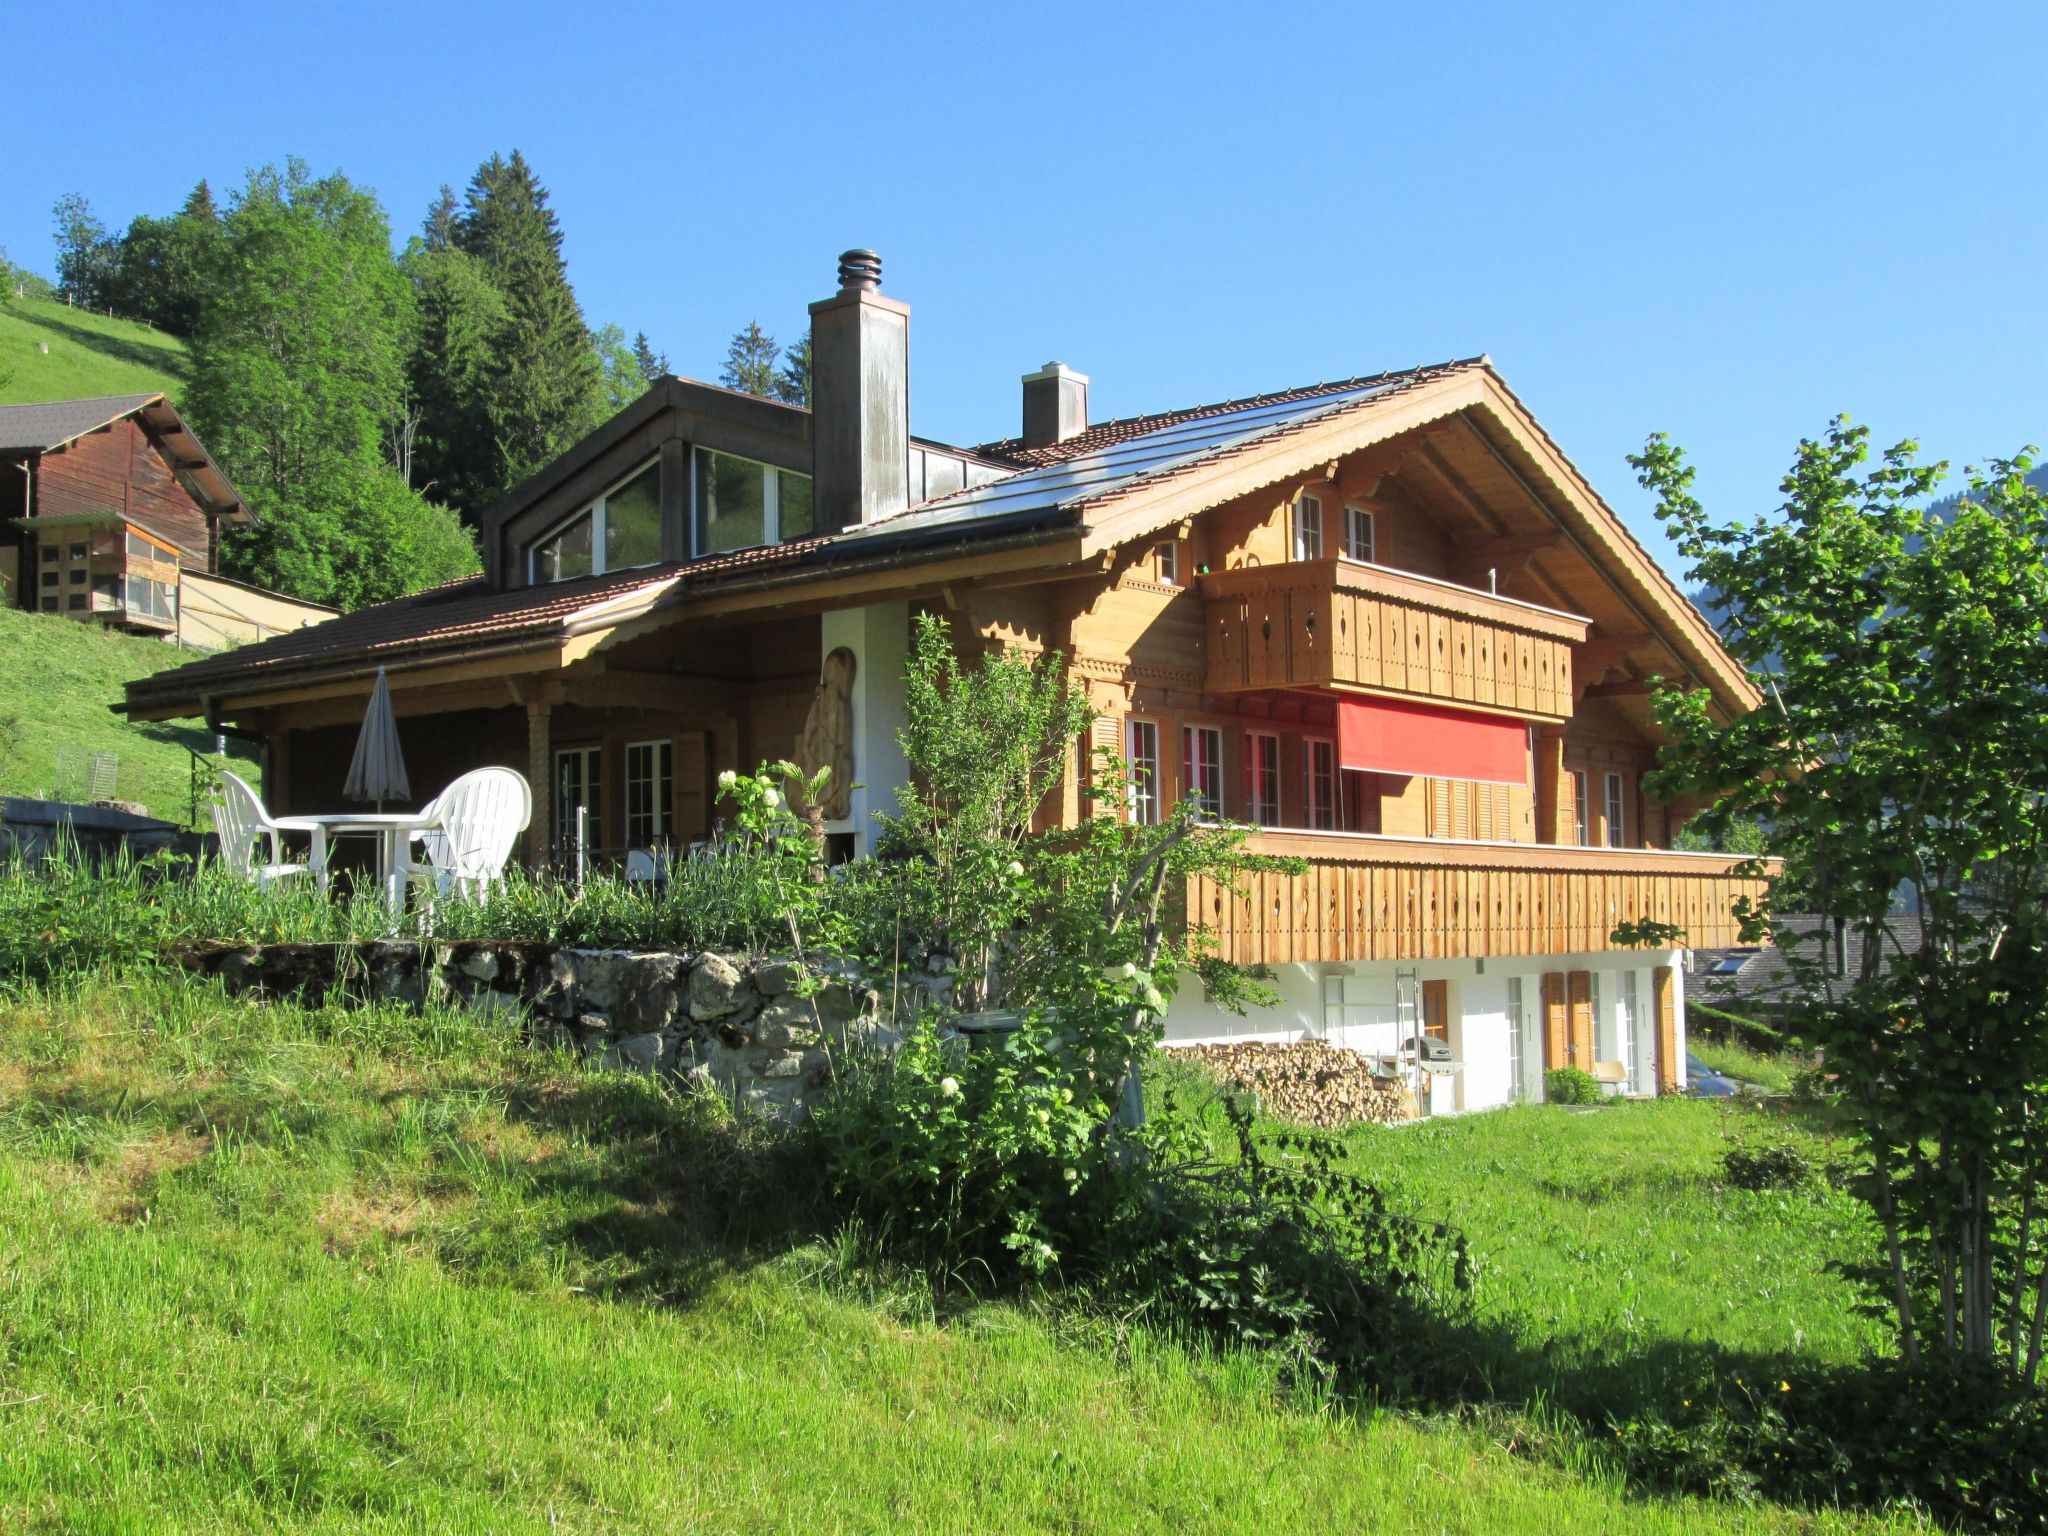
(392, 830)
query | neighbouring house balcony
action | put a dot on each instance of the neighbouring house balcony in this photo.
(1365, 897)
(1343, 624)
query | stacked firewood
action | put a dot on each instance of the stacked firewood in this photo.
(1311, 1082)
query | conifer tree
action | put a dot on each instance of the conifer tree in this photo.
(793, 379)
(439, 228)
(652, 364)
(750, 362)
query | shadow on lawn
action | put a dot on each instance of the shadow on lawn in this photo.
(158, 355)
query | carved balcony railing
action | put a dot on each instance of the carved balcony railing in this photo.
(1395, 898)
(1339, 623)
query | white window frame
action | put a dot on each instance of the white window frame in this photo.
(1167, 558)
(771, 502)
(1617, 811)
(1319, 812)
(659, 784)
(1627, 1037)
(599, 529)
(1355, 519)
(1209, 795)
(565, 827)
(1142, 767)
(1581, 808)
(1259, 811)
(1517, 1022)
(1308, 525)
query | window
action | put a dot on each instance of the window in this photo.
(50, 553)
(648, 797)
(741, 504)
(1141, 751)
(75, 600)
(1201, 767)
(1629, 1055)
(151, 599)
(1517, 1022)
(78, 551)
(1262, 778)
(49, 578)
(1583, 830)
(1617, 829)
(144, 548)
(622, 528)
(579, 785)
(49, 605)
(78, 576)
(1308, 527)
(1319, 784)
(1358, 540)
(1166, 563)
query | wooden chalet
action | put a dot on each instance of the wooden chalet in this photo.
(115, 509)
(1384, 619)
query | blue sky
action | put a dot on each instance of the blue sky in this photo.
(1728, 222)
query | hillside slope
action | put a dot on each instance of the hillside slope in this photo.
(89, 355)
(59, 679)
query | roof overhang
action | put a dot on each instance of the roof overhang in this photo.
(193, 465)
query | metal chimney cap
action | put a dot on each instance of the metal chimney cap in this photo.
(859, 270)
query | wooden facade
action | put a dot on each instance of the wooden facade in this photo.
(1364, 899)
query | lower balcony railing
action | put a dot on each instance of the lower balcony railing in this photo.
(1397, 898)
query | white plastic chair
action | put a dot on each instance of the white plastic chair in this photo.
(240, 821)
(475, 822)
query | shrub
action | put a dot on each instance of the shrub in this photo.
(1570, 1085)
(1773, 1165)
(1964, 1442)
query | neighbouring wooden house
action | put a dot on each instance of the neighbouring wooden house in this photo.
(115, 512)
(1384, 619)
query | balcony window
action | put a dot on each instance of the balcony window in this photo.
(648, 797)
(742, 504)
(1319, 784)
(1582, 829)
(1201, 767)
(1141, 754)
(619, 530)
(579, 785)
(1262, 778)
(1308, 527)
(1358, 535)
(1617, 830)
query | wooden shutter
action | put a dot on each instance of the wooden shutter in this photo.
(1664, 998)
(1579, 986)
(1556, 1023)
(1104, 734)
(1440, 808)
(691, 786)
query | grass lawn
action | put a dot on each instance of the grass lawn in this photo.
(59, 678)
(1771, 1072)
(89, 354)
(266, 1268)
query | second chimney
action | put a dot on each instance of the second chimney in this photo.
(860, 399)
(1055, 405)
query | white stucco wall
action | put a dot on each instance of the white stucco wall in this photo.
(1353, 1006)
(879, 637)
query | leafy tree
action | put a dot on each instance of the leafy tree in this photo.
(355, 534)
(165, 269)
(793, 379)
(85, 256)
(546, 385)
(623, 381)
(299, 360)
(750, 362)
(1903, 740)
(652, 364)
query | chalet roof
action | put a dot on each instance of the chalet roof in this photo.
(44, 426)
(1118, 457)
(47, 424)
(1763, 977)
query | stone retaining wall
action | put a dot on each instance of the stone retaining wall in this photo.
(734, 1021)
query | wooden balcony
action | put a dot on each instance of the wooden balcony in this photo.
(1342, 624)
(1397, 898)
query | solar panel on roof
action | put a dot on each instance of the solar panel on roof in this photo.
(1117, 466)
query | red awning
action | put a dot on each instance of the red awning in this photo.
(1386, 736)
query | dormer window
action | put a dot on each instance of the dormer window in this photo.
(742, 504)
(621, 529)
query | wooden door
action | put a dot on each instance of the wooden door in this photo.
(1580, 989)
(1436, 1010)
(1556, 1023)
(1664, 998)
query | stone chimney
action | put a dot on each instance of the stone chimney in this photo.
(1055, 405)
(860, 399)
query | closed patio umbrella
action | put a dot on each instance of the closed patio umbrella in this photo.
(377, 771)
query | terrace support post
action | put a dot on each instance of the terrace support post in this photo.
(539, 773)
